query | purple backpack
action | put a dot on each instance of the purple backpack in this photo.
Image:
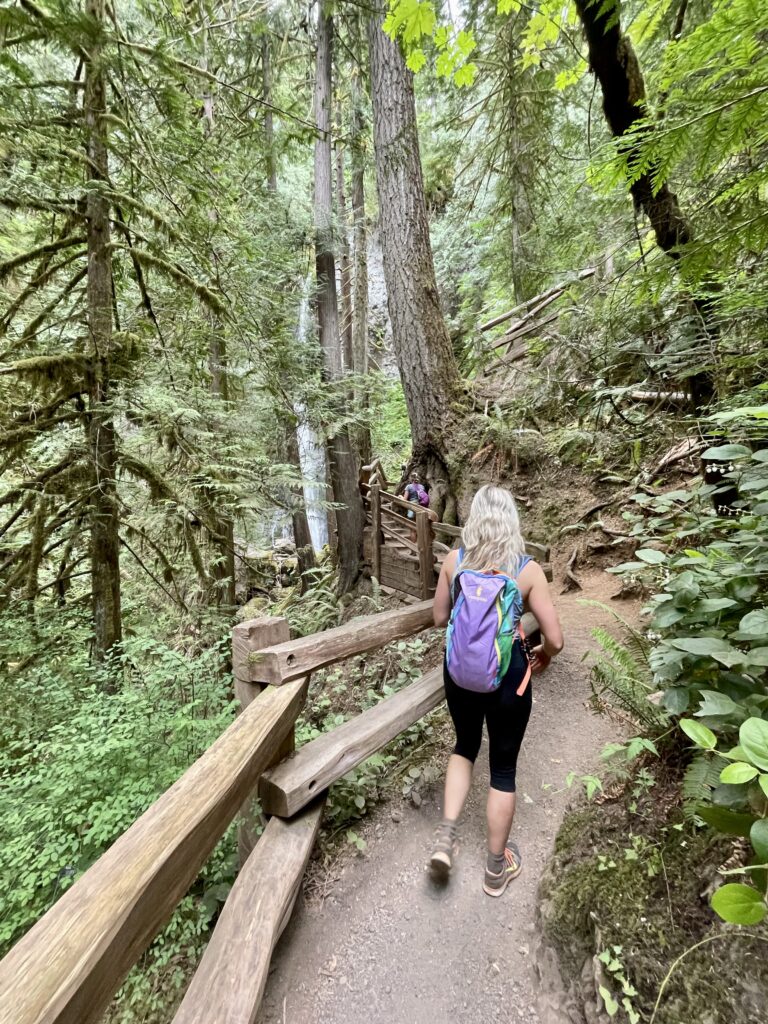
(417, 492)
(484, 626)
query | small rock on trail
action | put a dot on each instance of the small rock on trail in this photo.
(390, 946)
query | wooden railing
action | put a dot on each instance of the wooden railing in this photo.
(404, 553)
(66, 969)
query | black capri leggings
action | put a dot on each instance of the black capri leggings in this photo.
(505, 712)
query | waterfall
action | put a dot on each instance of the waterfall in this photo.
(311, 447)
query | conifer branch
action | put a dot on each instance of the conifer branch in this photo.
(42, 250)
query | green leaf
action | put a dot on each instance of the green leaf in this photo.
(700, 734)
(715, 604)
(715, 703)
(465, 75)
(739, 904)
(758, 836)
(416, 60)
(727, 451)
(757, 656)
(738, 772)
(730, 823)
(701, 645)
(754, 625)
(466, 42)
(651, 556)
(753, 737)
(611, 1006)
(763, 780)
(676, 699)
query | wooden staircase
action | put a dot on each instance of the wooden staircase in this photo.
(405, 554)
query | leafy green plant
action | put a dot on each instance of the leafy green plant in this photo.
(740, 807)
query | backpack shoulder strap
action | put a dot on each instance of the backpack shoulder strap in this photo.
(456, 569)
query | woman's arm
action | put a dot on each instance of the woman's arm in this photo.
(540, 603)
(442, 606)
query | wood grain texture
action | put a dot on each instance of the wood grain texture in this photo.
(263, 631)
(259, 632)
(375, 531)
(285, 789)
(426, 555)
(69, 965)
(287, 661)
(230, 979)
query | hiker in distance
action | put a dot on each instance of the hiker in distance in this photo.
(416, 492)
(481, 594)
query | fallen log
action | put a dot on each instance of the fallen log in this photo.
(581, 276)
(291, 785)
(229, 982)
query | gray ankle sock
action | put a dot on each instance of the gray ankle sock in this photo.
(450, 825)
(495, 862)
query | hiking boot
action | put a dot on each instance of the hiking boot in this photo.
(494, 885)
(444, 849)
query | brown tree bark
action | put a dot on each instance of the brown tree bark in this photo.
(345, 270)
(104, 511)
(220, 524)
(343, 461)
(614, 63)
(425, 357)
(302, 537)
(359, 264)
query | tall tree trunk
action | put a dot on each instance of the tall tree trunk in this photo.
(613, 61)
(359, 267)
(342, 459)
(345, 276)
(220, 524)
(425, 357)
(269, 128)
(104, 511)
(302, 537)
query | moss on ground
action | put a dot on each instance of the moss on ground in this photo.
(641, 881)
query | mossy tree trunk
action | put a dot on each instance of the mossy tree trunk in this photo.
(104, 510)
(614, 63)
(425, 356)
(343, 461)
(359, 262)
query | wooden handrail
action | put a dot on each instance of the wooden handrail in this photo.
(229, 981)
(284, 662)
(285, 789)
(68, 966)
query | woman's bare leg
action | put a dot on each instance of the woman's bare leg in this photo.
(501, 812)
(458, 780)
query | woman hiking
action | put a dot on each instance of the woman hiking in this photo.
(481, 593)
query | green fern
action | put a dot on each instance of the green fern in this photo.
(620, 676)
(701, 777)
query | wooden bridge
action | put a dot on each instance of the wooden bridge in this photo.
(67, 968)
(405, 554)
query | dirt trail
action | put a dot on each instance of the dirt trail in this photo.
(389, 946)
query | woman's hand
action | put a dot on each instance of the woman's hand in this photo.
(539, 659)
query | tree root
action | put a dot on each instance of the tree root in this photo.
(571, 583)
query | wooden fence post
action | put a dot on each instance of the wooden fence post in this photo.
(426, 554)
(254, 635)
(376, 532)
